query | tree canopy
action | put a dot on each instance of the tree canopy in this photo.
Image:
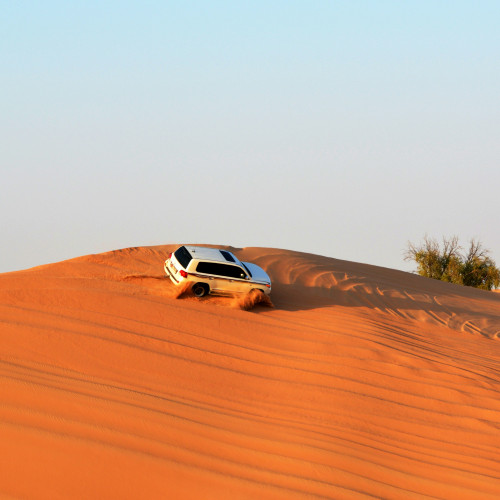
(448, 262)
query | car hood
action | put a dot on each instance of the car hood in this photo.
(258, 274)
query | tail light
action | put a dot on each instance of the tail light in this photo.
(183, 273)
(169, 256)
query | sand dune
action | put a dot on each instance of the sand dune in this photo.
(360, 382)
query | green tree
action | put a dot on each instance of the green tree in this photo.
(478, 269)
(446, 262)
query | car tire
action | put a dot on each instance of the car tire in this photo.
(200, 290)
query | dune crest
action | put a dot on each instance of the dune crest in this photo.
(360, 382)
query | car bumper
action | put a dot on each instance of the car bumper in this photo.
(169, 273)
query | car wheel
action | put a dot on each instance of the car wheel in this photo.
(200, 289)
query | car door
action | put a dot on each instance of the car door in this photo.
(238, 279)
(230, 279)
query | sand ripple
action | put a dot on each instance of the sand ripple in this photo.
(360, 382)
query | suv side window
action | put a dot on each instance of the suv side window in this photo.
(220, 270)
(206, 268)
(234, 272)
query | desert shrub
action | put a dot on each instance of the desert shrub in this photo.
(447, 262)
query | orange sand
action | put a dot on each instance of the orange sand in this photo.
(361, 382)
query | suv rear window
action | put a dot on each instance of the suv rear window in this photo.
(220, 270)
(183, 256)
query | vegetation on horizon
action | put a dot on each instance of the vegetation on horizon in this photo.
(449, 263)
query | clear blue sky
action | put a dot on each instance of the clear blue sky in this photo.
(343, 128)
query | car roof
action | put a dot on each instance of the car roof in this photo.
(213, 254)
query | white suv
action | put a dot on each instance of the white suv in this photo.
(211, 270)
